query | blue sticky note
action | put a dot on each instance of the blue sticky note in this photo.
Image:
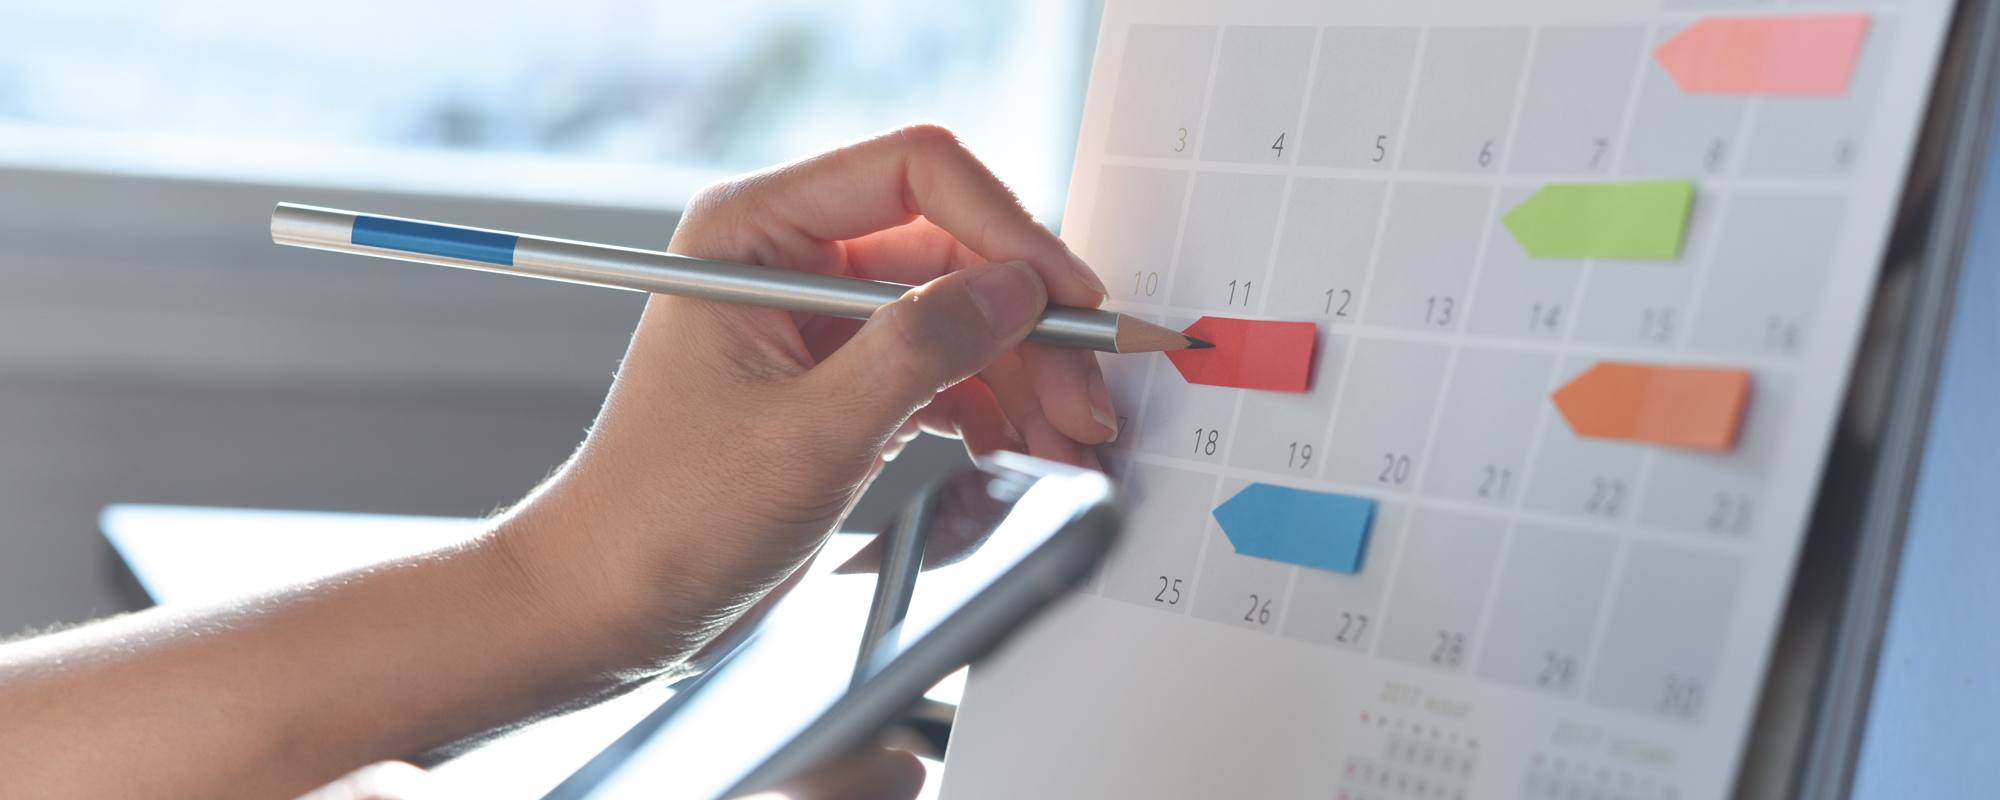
(436, 240)
(1311, 529)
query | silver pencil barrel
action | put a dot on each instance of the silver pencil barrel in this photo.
(638, 270)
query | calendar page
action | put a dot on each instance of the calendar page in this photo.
(1584, 279)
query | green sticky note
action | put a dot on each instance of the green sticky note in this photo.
(1642, 219)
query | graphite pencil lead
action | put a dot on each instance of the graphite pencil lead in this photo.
(1197, 344)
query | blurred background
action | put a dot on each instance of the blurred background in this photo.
(155, 347)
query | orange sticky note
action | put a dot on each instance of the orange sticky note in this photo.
(1688, 407)
(1249, 354)
(1802, 56)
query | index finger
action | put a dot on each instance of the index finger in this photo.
(919, 170)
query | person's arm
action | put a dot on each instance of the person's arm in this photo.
(732, 443)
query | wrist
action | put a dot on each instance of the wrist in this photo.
(601, 586)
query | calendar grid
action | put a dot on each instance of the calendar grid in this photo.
(1428, 498)
(1355, 161)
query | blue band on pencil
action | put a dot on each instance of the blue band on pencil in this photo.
(434, 240)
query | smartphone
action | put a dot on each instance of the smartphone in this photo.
(1004, 540)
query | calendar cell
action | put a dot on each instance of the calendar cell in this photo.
(1125, 379)
(1226, 246)
(1154, 561)
(1162, 81)
(1551, 588)
(1575, 99)
(1591, 478)
(1324, 248)
(1282, 432)
(1677, 134)
(1385, 414)
(1669, 616)
(1135, 218)
(1355, 117)
(1770, 264)
(1186, 420)
(1520, 297)
(1818, 135)
(1480, 453)
(1440, 588)
(1646, 302)
(1260, 84)
(1339, 610)
(1425, 262)
(1719, 493)
(1236, 589)
(1464, 99)
(1635, 303)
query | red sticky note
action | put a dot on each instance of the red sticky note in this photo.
(1249, 354)
(1690, 407)
(1800, 56)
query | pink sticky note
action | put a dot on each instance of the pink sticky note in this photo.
(1802, 56)
(1249, 354)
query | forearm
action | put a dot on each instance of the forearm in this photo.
(272, 697)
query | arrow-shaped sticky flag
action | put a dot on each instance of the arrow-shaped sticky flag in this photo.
(1644, 219)
(1688, 407)
(1249, 354)
(1311, 529)
(1809, 55)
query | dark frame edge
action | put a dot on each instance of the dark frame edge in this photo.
(1808, 725)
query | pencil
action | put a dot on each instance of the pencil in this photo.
(665, 273)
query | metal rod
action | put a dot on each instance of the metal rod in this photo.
(895, 582)
(639, 270)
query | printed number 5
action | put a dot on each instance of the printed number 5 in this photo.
(1182, 143)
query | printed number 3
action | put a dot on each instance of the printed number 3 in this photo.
(1181, 144)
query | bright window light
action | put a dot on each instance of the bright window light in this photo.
(609, 102)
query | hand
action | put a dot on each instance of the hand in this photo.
(733, 442)
(735, 438)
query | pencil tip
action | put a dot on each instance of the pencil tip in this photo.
(1197, 344)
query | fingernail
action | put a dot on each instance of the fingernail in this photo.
(1100, 405)
(1088, 275)
(1089, 459)
(1007, 294)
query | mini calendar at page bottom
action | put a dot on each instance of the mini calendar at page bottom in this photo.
(1585, 280)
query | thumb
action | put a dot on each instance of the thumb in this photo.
(936, 335)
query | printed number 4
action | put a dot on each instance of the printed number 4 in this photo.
(1279, 146)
